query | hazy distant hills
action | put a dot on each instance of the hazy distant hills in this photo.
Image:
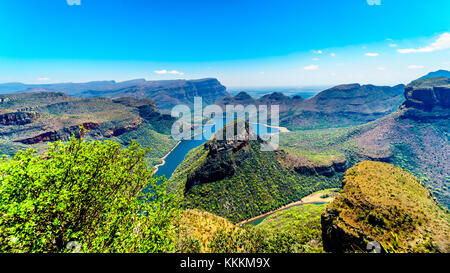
(341, 105)
(68, 88)
(166, 94)
(437, 74)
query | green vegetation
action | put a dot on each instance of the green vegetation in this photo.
(251, 240)
(58, 116)
(303, 222)
(323, 146)
(418, 147)
(161, 144)
(205, 232)
(260, 184)
(383, 203)
(197, 228)
(85, 192)
(430, 82)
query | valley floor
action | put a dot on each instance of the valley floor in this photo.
(324, 196)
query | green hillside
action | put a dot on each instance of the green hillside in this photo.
(383, 203)
(31, 120)
(255, 183)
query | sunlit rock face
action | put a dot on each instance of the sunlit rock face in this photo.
(427, 102)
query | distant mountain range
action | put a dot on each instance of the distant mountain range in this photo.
(166, 94)
(437, 74)
(341, 105)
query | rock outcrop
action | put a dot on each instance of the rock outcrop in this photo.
(427, 99)
(384, 204)
(224, 154)
(18, 118)
(167, 94)
(63, 134)
(328, 170)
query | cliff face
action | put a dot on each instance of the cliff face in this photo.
(332, 167)
(424, 103)
(328, 170)
(56, 116)
(167, 94)
(63, 134)
(18, 118)
(223, 155)
(147, 109)
(383, 203)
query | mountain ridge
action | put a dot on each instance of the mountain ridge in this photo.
(166, 93)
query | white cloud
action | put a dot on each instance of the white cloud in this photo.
(315, 59)
(317, 51)
(74, 2)
(43, 79)
(443, 42)
(372, 54)
(381, 68)
(393, 45)
(262, 72)
(332, 54)
(311, 67)
(173, 72)
(413, 66)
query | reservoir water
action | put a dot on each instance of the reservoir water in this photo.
(178, 154)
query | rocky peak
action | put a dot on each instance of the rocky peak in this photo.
(223, 154)
(242, 96)
(383, 203)
(232, 137)
(427, 98)
(18, 118)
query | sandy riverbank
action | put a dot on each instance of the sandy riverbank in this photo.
(281, 129)
(164, 158)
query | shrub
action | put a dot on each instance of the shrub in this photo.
(85, 192)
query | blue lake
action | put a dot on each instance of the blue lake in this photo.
(178, 154)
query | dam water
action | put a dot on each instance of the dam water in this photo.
(178, 154)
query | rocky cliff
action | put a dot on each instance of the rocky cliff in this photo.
(18, 118)
(427, 98)
(167, 94)
(382, 203)
(224, 155)
(55, 116)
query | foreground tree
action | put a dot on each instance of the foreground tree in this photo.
(87, 196)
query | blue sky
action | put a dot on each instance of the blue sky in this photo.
(240, 42)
